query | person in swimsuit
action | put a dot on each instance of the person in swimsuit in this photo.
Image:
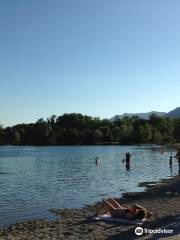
(112, 207)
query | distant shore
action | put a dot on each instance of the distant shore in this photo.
(75, 224)
(168, 145)
(173, 145)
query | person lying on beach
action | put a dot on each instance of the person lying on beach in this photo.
(112, 207)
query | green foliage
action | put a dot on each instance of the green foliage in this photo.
(177, 130)
(144, 133)
(1, 135)
(78, 129)
(156, 136)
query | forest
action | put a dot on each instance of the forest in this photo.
(78, 129)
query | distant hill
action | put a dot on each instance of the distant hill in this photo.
(172, 114)
(140, 115)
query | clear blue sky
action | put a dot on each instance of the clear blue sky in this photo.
(97, 57)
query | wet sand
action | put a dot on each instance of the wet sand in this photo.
(76, 224)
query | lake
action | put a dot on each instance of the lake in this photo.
(34, 180)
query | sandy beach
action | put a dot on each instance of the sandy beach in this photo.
(75, 224)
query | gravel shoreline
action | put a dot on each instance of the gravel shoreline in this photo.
(76, 224)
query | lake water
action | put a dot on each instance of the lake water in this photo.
(34, 180)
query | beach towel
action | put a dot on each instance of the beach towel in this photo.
(108, 218)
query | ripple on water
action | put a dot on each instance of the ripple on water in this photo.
(36, 179)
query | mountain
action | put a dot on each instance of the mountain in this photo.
(172, 114)
(140, 115)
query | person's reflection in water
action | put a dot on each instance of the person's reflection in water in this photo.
(170, 161)
(171, 170)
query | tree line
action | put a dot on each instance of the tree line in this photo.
(78, 129)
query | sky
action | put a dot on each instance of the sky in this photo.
(98, 57)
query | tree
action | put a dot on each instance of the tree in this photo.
(176, 133)
(97, 136)
(76, 128)
(115, 134)
(156, 136)
(11, 136)
(1, 135)
(144, 135)
(41, 133)
(71, 137)
(126, 133)
(106, 133)
(52, 120)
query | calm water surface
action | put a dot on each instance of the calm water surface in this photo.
(34, 180)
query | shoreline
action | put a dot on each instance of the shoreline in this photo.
(78, 224)
(168, 144)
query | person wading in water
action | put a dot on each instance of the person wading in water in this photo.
(128, 156)
(178, 158)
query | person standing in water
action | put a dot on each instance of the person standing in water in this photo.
(178, 158)
(128, 156)
(170, 163)
(96, 160)
(162, 150)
